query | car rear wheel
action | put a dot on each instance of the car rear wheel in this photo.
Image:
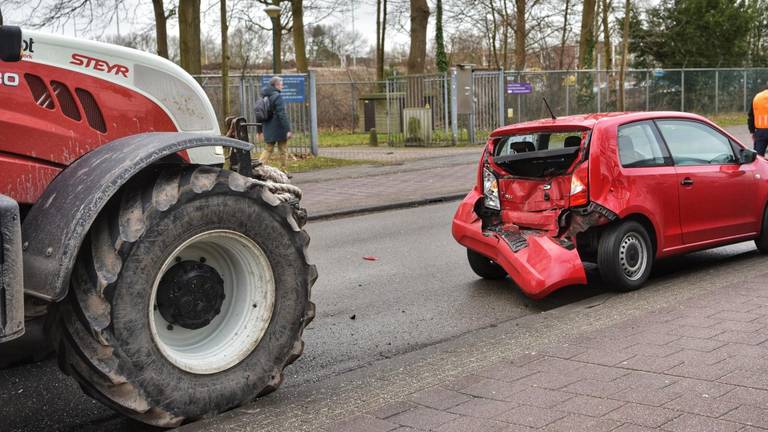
(484, 266)
(762, 241)
(625, 256)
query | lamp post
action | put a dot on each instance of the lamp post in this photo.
(274, 14)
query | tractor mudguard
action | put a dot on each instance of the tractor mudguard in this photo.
(56, 225)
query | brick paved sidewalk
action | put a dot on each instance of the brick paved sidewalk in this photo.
(698, 367)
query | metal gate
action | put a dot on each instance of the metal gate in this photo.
(418, 110)
(301, 105)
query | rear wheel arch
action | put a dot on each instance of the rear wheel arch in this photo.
(56, 226)
(648, 225)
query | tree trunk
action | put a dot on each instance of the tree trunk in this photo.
(607, 4)
(161, 29)
(189, 36)
(520, 35)
(505, 34)
(441, 58)
(299, 45)
(225, 103)
(587, 38)
(565, 33)
(419, 21)
(624, 50)
(381, 31)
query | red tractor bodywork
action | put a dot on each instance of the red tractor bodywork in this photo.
(41, 135)
(537, 235)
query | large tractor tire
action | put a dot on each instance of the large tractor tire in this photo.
(188, 298)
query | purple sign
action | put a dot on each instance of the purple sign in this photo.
(519, 88)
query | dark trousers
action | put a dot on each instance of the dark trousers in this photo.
(761, 141)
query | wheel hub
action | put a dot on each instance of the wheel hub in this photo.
(632, 256)
(190, 295)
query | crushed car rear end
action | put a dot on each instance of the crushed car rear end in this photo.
(530, 202)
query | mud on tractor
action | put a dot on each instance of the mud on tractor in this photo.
(171, 289)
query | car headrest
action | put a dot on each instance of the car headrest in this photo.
(572, 141)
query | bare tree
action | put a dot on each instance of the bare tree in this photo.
(381, 31)
(225, 96)
(299, 43)
(564, 36)
(419, 21)
(624, 50)
(587, 38)
(189, 36)
(161, 26)
(607, 45)
(520, 34)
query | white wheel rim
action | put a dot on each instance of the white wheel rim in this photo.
(246, 311)
(633, 256)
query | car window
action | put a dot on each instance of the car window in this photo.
(693, 143)
(638, 146)
(539, 141)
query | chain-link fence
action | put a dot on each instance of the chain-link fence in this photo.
(427, 110)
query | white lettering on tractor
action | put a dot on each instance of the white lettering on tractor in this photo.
(9, 79)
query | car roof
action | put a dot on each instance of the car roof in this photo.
(588, 121)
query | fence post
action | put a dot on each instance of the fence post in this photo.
(745, 90)
(472, 114)
(682, 89)
(446, 102)
(313, 137)
(454, 107)
(502, 88)
(242, 96)
(717, 91)
(567, 95)
(354, 106)
(647, 90)
(597, 80)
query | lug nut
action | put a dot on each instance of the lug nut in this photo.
(178, 259)
(202, 260)
(170, 327)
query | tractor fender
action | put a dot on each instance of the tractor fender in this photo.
(57, 224)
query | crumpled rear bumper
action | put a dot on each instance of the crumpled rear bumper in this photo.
(540, 268)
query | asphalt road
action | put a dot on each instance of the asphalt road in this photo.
(418, 292)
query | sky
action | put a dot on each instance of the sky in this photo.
(137, 15)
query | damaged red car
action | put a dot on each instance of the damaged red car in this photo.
(620, 190)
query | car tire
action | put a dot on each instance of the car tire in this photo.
(198, 227)
(625, 256)
(762, 241)
(484, 266)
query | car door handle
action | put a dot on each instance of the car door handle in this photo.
(687, 181)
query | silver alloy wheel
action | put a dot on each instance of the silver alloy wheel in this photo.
(246, 311)
(633, 255)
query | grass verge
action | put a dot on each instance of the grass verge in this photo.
(314, 163)
(729, 119)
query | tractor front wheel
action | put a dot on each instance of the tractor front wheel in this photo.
(189, 297)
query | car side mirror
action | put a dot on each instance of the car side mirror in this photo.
(10, 43)
(747, 156)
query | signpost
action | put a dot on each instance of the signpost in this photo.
(294, 89)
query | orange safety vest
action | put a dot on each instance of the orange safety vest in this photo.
(760, 109)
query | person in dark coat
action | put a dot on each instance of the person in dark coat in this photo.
(277, 130)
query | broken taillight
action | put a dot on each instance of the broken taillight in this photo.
(491, 190)
(580, 185)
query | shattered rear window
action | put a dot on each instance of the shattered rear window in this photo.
(539, 142)
(539, 154)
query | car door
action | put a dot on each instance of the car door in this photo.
(650, 177)
(718, 196)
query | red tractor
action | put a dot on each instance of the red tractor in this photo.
(171, 289)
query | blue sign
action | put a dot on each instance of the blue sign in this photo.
(294, 87)
(658, 73)
(519, 88)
